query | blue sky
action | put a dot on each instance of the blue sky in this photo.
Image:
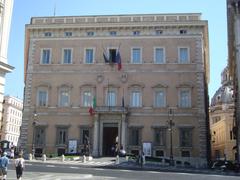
(212, 10)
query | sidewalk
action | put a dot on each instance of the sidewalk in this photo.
(110, 162)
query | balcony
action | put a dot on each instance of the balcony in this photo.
(111, 109)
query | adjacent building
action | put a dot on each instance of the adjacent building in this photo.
(97, 82)
(12, 119)
(233, 18)
(6, 7)
(222, 122)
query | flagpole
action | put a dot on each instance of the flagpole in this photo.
(123, 103)
(54, 10)
(108, 98)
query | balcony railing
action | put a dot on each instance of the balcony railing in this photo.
(111, 109)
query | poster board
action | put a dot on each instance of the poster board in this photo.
(72, 146)
(147, 148)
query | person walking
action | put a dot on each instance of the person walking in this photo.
(19, 165)
(4, 161)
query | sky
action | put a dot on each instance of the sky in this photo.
(212, 10)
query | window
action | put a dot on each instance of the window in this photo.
(67, 56)
(159, 56)
(185, 137)
(46, 55)
(68, 34)
(136, 33)
(61, 136)
(136, 99)
(136, 55)
(89, 56)
(39, 136)
(64, 98)
(183, 31)
(183, 55)
(160, 136)
(185, 98)
(111, 98)
(90, 33)
(42, 98)
(185, 154)
(47, 34)
(158, 32)
(160, 153)
(87, 99)
(113, 33)
(134, 135)
(85, 136)
(160, 98)
(112, 55)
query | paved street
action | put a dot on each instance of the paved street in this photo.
(68, 171)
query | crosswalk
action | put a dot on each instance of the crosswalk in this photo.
(87, 163)
(55, 176)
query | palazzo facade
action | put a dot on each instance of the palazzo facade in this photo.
(120, 80)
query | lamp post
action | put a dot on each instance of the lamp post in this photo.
(171, 124)
(33, 137)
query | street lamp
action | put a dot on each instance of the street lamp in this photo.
(171, 124)
(33, 137)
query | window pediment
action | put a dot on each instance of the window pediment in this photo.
(87, 85)
(44, 85)
(185, 85)
(66, 85)
(159, 86)
(136, 85)
(112, 86)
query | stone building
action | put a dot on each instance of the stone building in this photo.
(233, 22)
(12, 119)
(101, 82)
(5, 22)
(222, 123)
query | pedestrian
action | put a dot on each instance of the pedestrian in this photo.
(19, 165)
(4, 161)
(12, 153)
(112, 150)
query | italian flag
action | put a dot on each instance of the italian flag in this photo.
(91, 108)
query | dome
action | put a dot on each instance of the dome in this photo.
(224, 95)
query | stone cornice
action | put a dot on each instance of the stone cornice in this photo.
(117, 21)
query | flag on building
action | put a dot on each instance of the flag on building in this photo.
(105, 58)
(92, 108)
(91, 111)
(119, 61)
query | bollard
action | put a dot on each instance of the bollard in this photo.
(44, 158)
(89, 158)
(117, 159)
(30, 157)
(63, 158)
(144, 160)
(84, 159)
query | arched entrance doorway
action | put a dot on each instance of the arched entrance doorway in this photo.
(110, 139)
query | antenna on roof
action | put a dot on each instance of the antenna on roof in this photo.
(54, 10)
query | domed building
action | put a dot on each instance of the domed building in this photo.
(223, 140)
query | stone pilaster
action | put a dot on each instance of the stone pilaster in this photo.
(123, 129)
(95, 152)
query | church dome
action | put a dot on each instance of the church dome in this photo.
(224, 95)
